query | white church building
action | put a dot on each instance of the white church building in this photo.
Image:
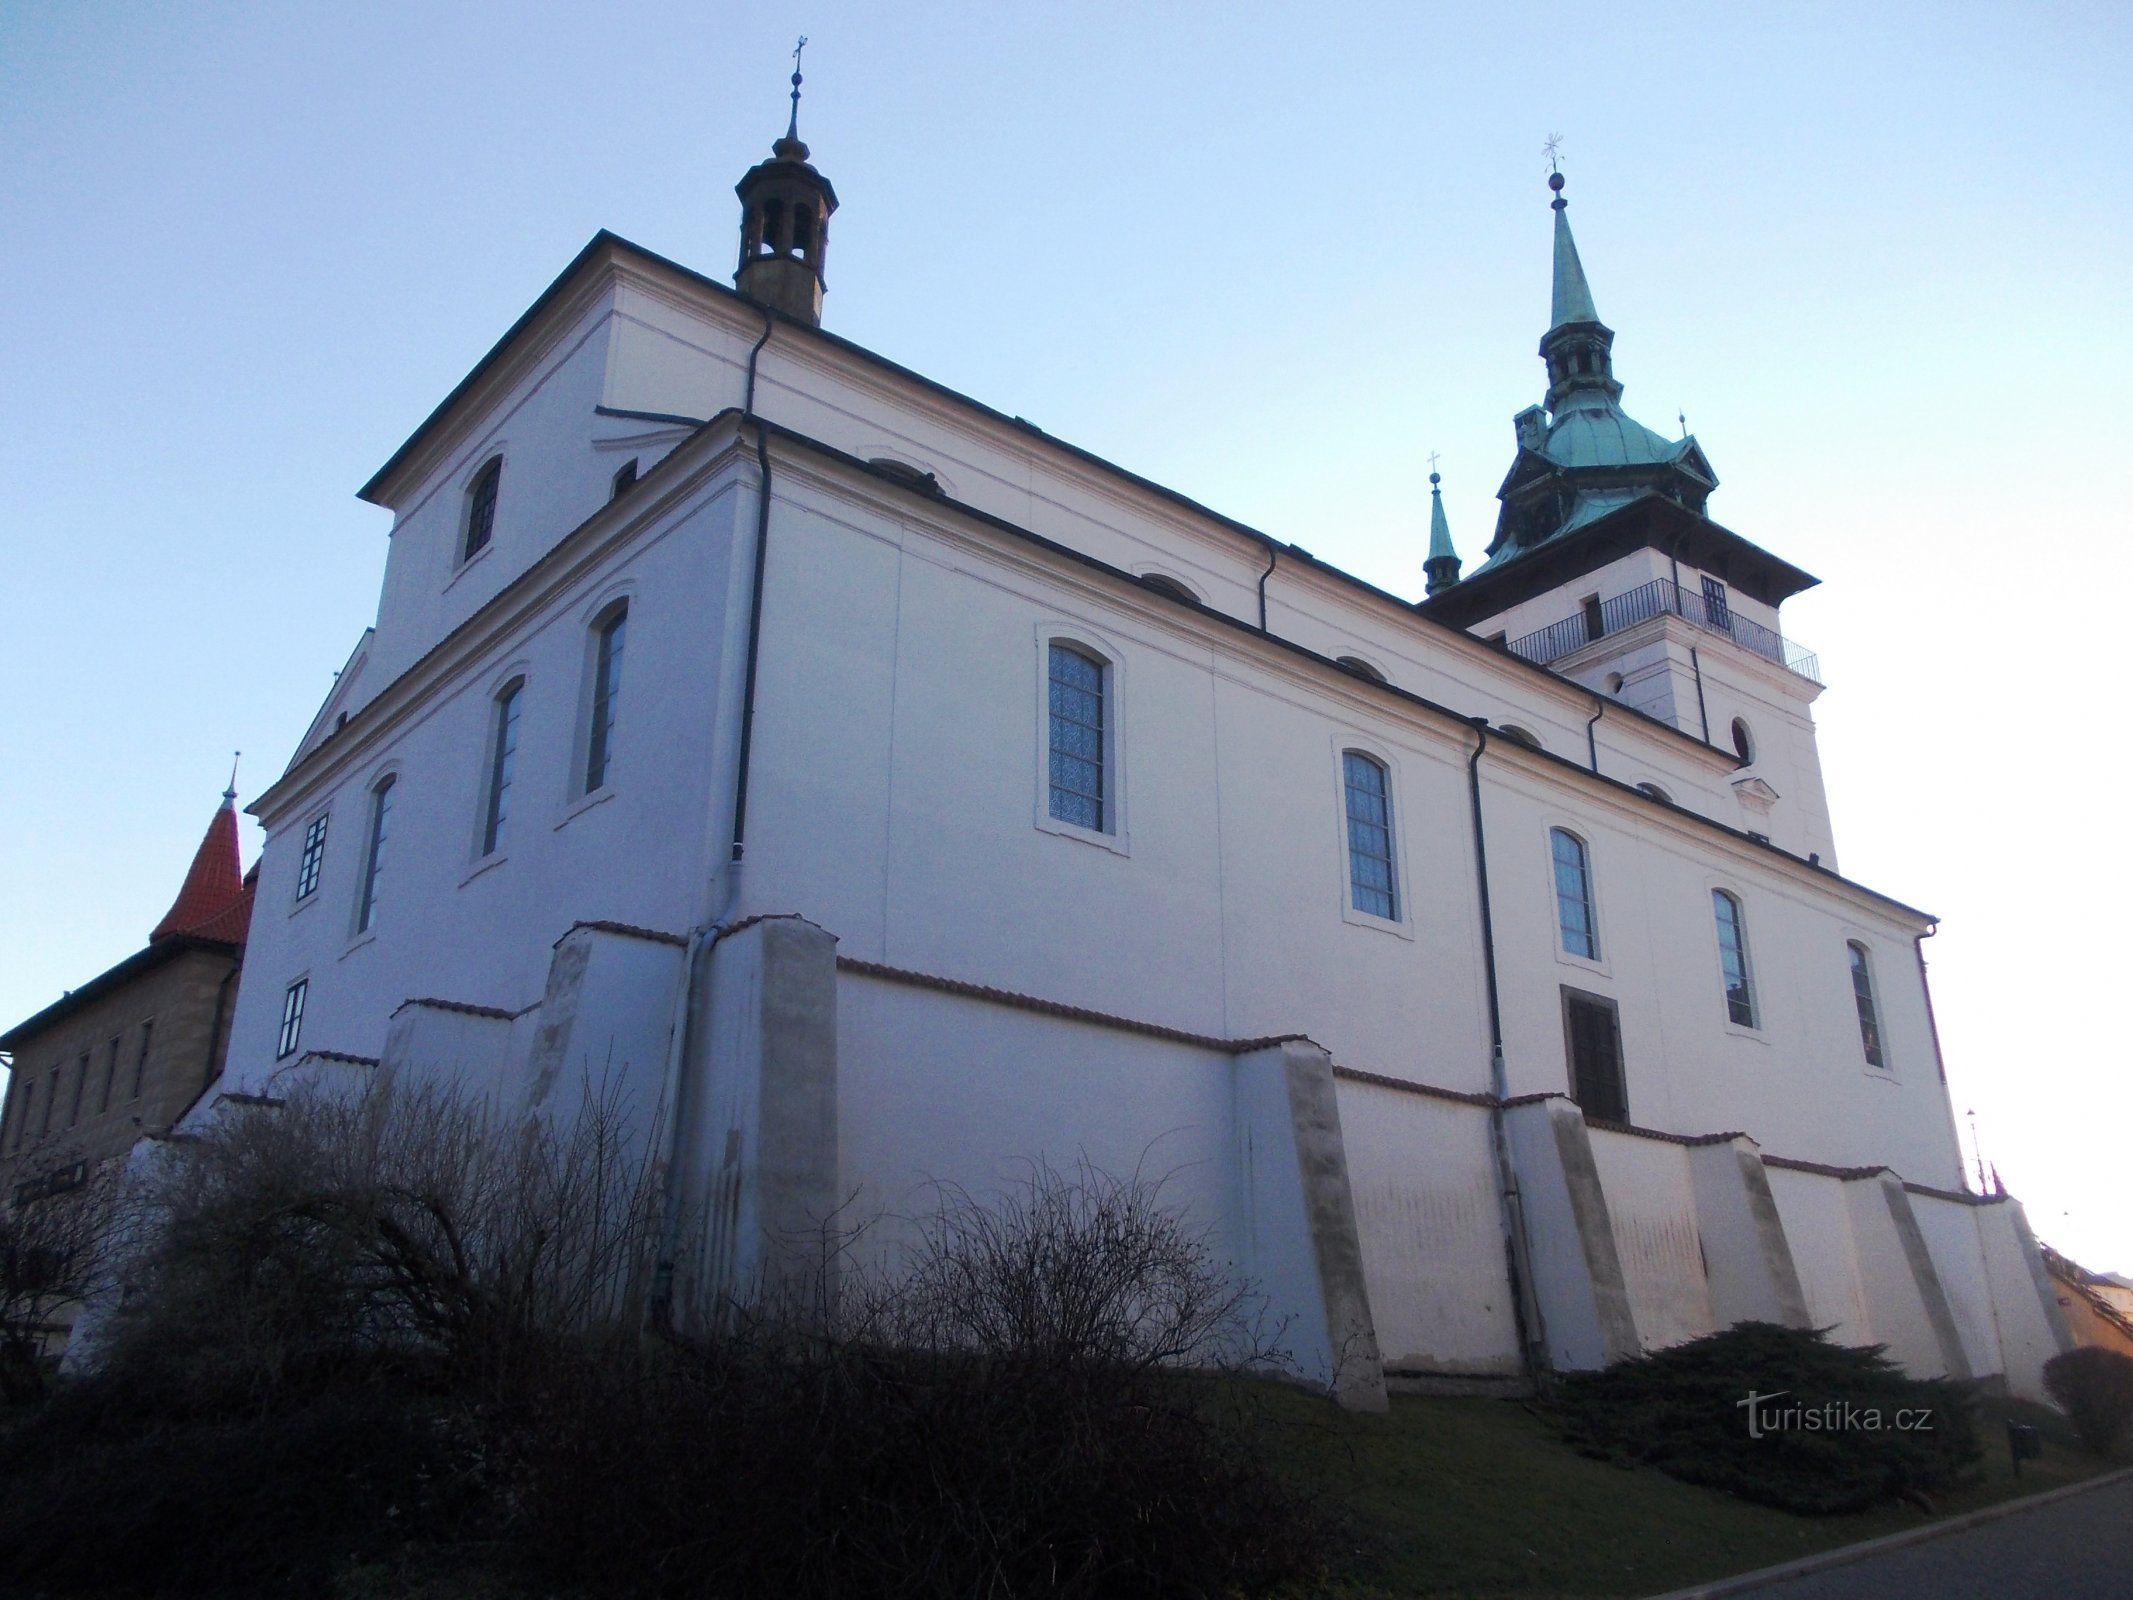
(892, 794)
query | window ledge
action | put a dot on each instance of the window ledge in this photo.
(1582, 963)
(469, 564)
(1757, 1035)
(304, 904)
(1364, 919)
(585, 803)
(494, 859)
(1116, 843)
(368, 936)
(1874, 1074)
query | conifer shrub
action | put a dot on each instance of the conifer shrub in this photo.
(1832, 1428)
(2094, 1387)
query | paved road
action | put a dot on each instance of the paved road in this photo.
(2078, 1548)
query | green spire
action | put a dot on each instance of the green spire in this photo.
(1442, 567)
(1573, 295)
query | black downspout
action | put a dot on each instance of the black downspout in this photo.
(208, 1074)
(1702, 711)
(755, 597)
(1273, 555)
(1525, 1304)
(1592, 742)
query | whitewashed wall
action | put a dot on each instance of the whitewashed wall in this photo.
(1432, 1231)
(1657, 1238)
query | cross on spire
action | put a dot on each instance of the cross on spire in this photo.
(1552, 148)
(792, 128)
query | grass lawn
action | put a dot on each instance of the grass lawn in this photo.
(1480, 1498)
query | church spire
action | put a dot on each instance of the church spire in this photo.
(785, 212)
(1572, 300)
(1577, 346)
(1442, 567)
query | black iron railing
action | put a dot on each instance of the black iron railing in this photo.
(1657, 598)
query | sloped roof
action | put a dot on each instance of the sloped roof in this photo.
(215, 890)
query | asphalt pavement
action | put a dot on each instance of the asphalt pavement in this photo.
(2078, 1547)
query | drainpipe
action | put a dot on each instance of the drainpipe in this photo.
(659, 1304)
(1532, 1332)
(208, 1072)
(1703, 712)
(1592, 743)
(1273, 555)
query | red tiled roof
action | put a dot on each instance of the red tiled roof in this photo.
(216, 893)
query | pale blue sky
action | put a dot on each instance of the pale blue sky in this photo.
(1270, 255)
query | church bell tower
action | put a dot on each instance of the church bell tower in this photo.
(785, 212)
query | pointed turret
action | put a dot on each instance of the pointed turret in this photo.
(785, 212)
(1573, 295)
(1577, 346)
(1442, 567)
(1580, 456)
(215, 890)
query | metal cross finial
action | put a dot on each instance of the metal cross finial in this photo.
(1552, 147)
(792, 128)
(231, 792)
(1433, 459)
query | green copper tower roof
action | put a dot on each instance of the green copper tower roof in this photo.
(1581, 456)
(1572, 301)
(1442, 567)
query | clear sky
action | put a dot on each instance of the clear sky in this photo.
(1269, 255)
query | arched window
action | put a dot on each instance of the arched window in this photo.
(1863, 999)
(381, 811)
(1655, 792)
(1076, 696)
(503, 750)
(481, 508)
(1360, 667)
(1370, 877)
(1170, 586)
(1733, 958)
(1743, 741)
(1574, 918)
(606, 695)
(1518, 735)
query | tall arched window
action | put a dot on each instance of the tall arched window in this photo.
(606, 695)
(1370, 876)
(1743, 741)
(1076, 697)
(481, 508)
(381, 811)
(1573, 895)
(503, 749)
(1863, 999)
(1733, 958)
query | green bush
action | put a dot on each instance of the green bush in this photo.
(2094, 1387)
(1834, 1428)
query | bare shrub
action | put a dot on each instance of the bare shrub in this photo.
(380, 1320)
(413, 1224)
(51, 1244)
(2094, 1387)
(1046, 1404)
